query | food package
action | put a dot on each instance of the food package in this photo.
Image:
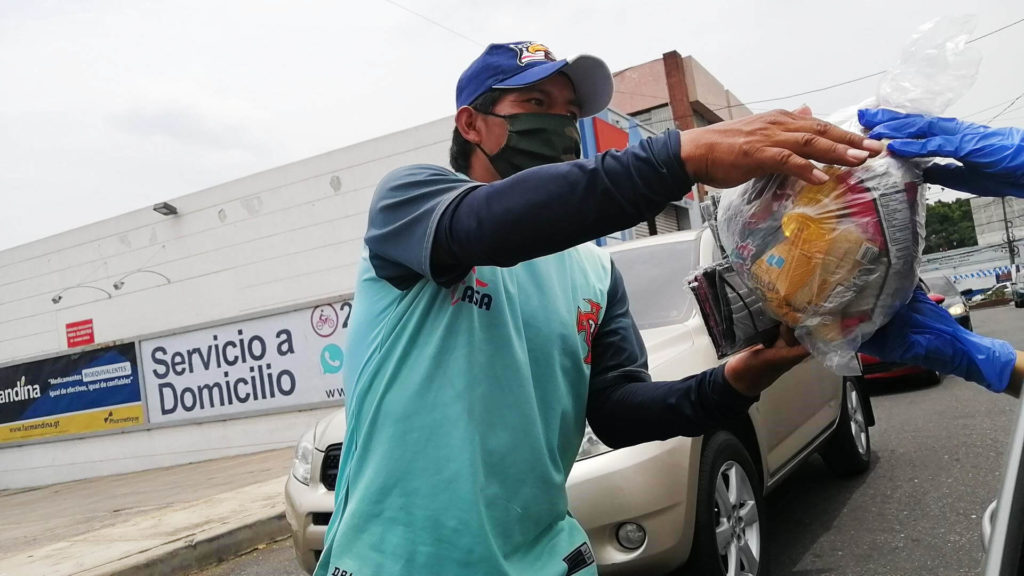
(836, 260)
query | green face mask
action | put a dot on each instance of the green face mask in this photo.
(535, 140)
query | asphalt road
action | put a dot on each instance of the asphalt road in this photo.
(938, 458)
(937, 463)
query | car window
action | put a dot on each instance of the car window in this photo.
(656, 280)
(942, 285)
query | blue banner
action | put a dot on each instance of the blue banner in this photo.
(82, 392)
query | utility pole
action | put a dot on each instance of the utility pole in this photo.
(1009, 241)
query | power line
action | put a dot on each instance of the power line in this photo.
(1008, 106)
(987, 222)
(435, 23)
(975, 249)
(829, 87)
(664, 99)
(838, 84)
(996, 30)
(761, 101)
(976, 112)
(747, 104)
(997, 221)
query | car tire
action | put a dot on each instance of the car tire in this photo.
(730, 506)
(848, 451)
(931, 378)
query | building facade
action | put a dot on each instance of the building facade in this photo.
(988, 218)
(987, 264)
(214, 324)
(675, 92)
(147, 340)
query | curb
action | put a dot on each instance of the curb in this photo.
(199, 551)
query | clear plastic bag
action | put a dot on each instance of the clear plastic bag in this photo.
(835, 261)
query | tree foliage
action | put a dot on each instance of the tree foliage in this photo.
(949, 225)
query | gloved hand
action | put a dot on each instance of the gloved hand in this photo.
(924, 334)
(993, 158)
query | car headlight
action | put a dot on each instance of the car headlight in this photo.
(591, 446)
(957, 310)
(302, 463)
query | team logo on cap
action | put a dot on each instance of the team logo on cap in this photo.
(533, 52)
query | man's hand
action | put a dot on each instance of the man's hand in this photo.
(757, 368)
(729, 153)
(992, 158)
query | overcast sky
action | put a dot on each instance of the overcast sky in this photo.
(110, 106)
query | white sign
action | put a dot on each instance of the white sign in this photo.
(108, 371)
(281, 361)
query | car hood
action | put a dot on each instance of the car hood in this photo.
(329, 430)
(666, 342)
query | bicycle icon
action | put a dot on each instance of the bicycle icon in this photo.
(324, 320)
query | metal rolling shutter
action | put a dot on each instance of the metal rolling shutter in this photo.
(667, 221)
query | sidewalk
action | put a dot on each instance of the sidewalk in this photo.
(167, 521)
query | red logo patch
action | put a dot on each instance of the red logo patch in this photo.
(586, 324)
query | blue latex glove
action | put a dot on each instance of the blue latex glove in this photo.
(993, 158)
(924, 334)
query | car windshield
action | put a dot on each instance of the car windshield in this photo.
(942, 285)
(656, 280)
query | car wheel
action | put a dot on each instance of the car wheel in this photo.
(729, 529)
(848, 451)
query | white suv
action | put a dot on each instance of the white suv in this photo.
(659, 506)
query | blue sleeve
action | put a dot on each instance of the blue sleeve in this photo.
(625, 407)
(554, 207)
(404, 213)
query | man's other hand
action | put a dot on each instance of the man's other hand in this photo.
(730, 153)
(757, 368)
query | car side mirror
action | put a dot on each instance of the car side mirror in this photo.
(937, 298)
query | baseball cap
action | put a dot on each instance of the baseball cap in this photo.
(519, 64)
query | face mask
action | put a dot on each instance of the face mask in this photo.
(535, 140)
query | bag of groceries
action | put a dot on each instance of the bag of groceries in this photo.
(835, 261)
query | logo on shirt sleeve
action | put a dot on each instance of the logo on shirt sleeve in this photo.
(586, 324)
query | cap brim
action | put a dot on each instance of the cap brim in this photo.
(589, 74)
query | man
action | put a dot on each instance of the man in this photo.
(488, 329)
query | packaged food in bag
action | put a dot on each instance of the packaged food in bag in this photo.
(836, 260)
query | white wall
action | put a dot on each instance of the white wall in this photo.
(989, 225)
(54, 462)
(280, 237)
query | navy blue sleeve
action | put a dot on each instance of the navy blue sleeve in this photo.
(554, 207)
(403, 216)
(625, 407)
